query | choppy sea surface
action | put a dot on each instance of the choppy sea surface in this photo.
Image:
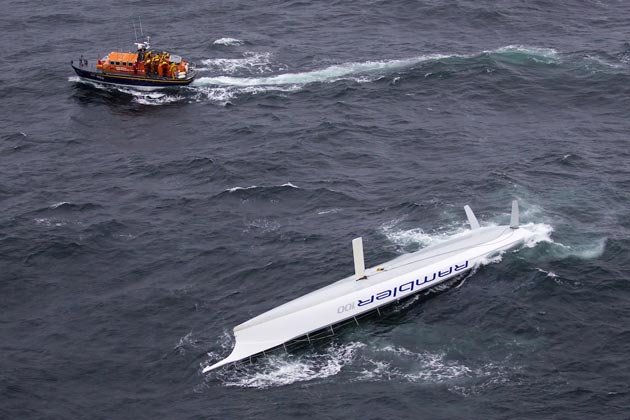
(137, 228)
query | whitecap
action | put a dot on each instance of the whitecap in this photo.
(283, 370)
(541, 233)
(50, 222)
(150, 97)
(157, 100)
(234, 189)
(228, 41)
(252, 62)
(328, 211)
(417, 236)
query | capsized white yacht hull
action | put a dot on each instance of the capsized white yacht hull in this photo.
(370, 289)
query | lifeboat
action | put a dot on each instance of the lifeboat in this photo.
(144, 69)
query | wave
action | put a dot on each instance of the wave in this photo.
(20, 135)
(228, 41)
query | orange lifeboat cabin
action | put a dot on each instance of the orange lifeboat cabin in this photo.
(143, 69)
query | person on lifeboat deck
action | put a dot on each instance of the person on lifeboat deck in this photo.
(173, 70)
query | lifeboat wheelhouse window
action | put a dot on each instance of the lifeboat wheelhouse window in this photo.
(117, 63)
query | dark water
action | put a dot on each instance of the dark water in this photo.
(136, 229)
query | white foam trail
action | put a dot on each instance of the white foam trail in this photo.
(329, 74)
(150, 97)
(333, 210)
(252, 62)
(358, 71)
(228, 41)
(427, 367)
(285, 370)
(540, 232)
(583, 252)
(221, 95)
(417, 235)
(224, 94)
(162, 100)
(407, 237)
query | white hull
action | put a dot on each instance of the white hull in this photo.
(382, 285)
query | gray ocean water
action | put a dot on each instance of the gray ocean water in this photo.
(137, 228)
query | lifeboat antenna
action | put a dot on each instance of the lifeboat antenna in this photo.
(135, 32)
(140, 21)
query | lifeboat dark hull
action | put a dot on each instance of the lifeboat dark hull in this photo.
(139, 82)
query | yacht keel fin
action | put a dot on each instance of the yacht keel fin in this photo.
(472, 219)
(359, 263)
(514, 218)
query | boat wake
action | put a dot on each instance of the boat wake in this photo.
(251, 62)
(346, 71)
(223, 80)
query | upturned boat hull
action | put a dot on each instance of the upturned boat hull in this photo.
(368, 290)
